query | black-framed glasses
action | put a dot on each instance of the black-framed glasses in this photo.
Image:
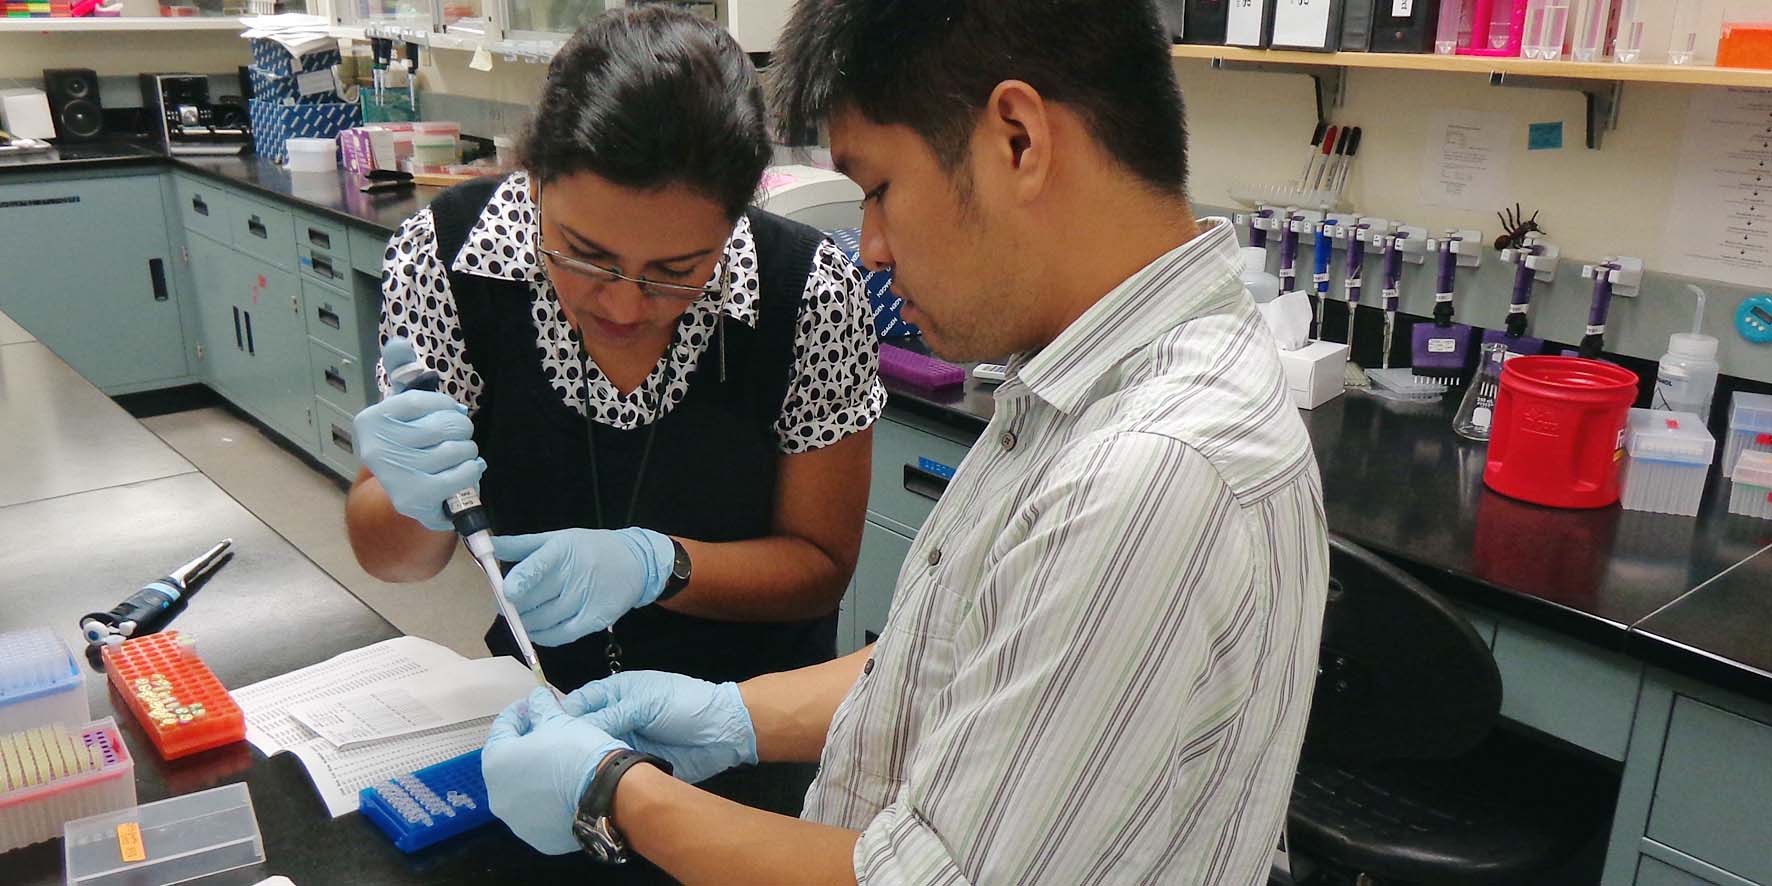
(679, 292)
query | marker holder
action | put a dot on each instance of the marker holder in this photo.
(50, 776)
(177, 700)
(40, 681)
(430, 805)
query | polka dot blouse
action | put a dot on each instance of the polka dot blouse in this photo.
(835, 390)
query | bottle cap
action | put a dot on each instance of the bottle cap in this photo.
(1686, 344)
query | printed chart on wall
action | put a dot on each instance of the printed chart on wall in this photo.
(1720, 222)
(1466, 160)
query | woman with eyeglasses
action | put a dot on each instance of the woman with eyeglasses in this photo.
(664, 396)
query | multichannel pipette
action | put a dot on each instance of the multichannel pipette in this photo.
(474, 525)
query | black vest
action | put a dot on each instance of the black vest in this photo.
(710, 475)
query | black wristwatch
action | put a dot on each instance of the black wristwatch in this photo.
(679, 573)
(594, 825)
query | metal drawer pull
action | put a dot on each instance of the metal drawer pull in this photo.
(928, 484)
(249, 348)
(337, 380)
(342, 439)
(319, 238)
(239, 343)
(157, 272)
(199, 206)
(256, 227)
(328, 317)
(323, 267)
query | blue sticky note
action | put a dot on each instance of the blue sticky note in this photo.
(1544, 136)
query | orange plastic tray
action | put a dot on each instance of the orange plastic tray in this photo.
(173, 694)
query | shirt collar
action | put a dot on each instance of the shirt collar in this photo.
(504, 243)
(1194, 279)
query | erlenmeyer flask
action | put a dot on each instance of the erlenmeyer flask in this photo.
(1478, 406)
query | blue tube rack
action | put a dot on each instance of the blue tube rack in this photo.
(430, 805)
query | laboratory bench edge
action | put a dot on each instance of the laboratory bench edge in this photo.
(1615, 631)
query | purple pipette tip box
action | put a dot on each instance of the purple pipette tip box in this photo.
(918, 370)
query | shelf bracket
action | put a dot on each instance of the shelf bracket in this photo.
(1602, 96)
(1330, 80)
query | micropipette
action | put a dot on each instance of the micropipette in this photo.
(149, 608)
(474, 524)
(1393, 276)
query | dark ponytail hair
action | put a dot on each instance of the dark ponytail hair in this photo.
(649, 97)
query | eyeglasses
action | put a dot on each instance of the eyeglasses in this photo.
(597, 273)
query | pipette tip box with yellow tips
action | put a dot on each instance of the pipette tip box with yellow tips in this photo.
(177, 700)
(40, 681)
(51, 775)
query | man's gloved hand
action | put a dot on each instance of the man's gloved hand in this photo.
(537, 763)
(419, 444)
(700, 728)
(573, 582)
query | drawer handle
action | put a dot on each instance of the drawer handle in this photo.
(328, 317)
(239, 343)
(199, 206)
(323, 267)
(249, 348)
(256, 227)
(319, 238)
(337, 380)
(928, 484)
(342, 439)
(157, 273)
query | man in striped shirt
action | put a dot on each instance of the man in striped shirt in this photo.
(1101, 649)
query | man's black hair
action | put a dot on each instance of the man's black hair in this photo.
(931, 65)
(650, 97)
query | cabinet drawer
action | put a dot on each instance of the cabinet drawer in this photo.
(205, 209)
(1590, 703)
(1653, 873)
(338, 444)
(264, 231)
(332, 318)
(323, 251)
(903, 491)
(1713, 796)
(338, 379)
(367, 248)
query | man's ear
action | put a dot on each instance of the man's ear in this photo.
(1015, 137)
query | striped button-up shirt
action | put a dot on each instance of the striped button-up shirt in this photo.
(1101, 650)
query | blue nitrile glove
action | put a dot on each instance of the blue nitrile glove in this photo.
(537, 763)
(419, 444)
(573, 582)
(702, 729)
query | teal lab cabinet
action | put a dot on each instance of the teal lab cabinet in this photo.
(95, 276)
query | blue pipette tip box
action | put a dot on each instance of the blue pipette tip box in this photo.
(430, 805)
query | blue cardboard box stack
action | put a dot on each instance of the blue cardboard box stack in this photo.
(280, 111)
(886, 305)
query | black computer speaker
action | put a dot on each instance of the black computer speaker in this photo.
(73, 103)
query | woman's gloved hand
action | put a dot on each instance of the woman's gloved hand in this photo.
(571, 583)
(702, 729)
(419, 444)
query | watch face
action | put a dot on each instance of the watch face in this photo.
(599, 840)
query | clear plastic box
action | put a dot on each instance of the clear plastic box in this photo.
(50, 775)
(40, 682)
(1750, 488)
(171, 841)
(1750, 427)
(1669, 455)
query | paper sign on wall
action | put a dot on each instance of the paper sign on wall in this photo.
(1720, 222)
(1465, 163)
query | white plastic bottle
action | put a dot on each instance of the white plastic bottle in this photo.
(1686, 380)
(1261, 284)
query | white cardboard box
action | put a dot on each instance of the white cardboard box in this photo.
(1314, 372)
(25, 113)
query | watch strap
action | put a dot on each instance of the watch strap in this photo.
(593, 825)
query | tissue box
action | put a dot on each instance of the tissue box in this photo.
(274, 124)
(886, 305)
(1314, 372)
